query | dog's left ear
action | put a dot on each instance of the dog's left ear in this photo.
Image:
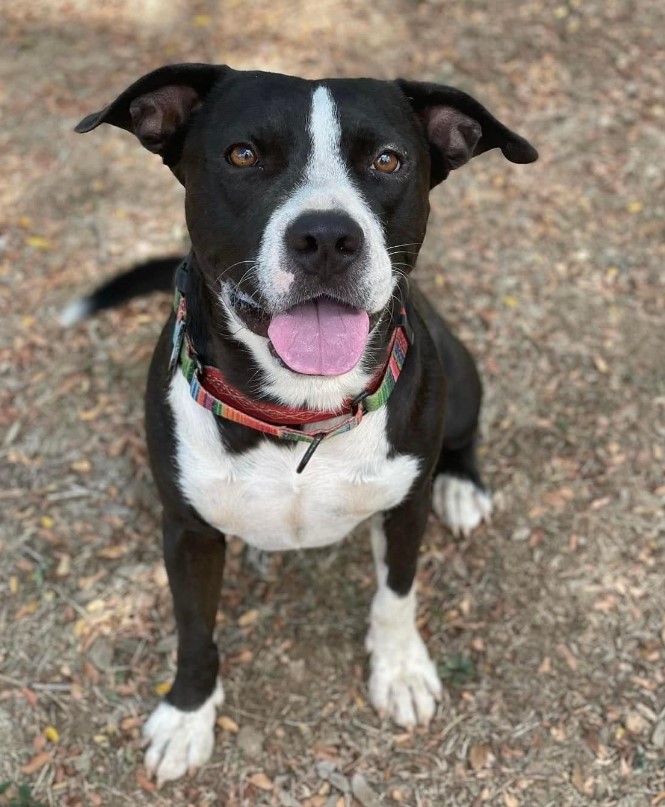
(458, 128)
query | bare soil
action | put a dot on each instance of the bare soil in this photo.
(549, 626)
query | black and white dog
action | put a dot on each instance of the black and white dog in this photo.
(308, 385)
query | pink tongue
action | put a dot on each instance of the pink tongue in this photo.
(320, 337)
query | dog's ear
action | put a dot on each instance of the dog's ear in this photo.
(458, 128)
(156, 106)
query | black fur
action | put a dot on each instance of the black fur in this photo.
(144, 278)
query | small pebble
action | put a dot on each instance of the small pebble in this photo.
(363, 792)
(250, 741)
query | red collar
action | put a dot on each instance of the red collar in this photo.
(214, 382)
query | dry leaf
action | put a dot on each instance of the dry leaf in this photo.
(568, 656)
(227, 724)
(38, 242)
(81, 466)
(510, 801)
(144, 783)
(51, 733)
(479, 756)
(605, 604)
(635, 723)
(601, 365)
(30, 696)
(248, 618)
(27, 610)
(577, 778)
(592, 739)
(36, 763)
(91, 673)
(261, 781)
(113, 552)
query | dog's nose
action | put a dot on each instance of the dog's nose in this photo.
(324, 243)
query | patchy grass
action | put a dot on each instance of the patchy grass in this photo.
(12, 795)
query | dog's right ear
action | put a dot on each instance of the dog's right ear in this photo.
(458, 128)
(156, 106)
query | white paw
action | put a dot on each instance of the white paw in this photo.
(460, 504)
(180, 741)
(403, 682)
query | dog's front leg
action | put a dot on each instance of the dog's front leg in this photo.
(404, 683)
(181, 729)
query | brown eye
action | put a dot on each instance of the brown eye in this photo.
(387, 162)
(242, 156)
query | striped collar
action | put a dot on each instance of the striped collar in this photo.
(210, 389)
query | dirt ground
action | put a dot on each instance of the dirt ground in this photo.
(549, 626)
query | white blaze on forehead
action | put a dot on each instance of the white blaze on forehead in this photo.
(325, 184)
(325, 160)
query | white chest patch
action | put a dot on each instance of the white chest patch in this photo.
(258, 495)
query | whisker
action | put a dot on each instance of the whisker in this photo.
(228, 268)
(411, 244)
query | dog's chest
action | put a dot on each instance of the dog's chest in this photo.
(259, 496)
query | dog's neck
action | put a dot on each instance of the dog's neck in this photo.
(222, 341)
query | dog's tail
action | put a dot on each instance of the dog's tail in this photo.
(153, 275)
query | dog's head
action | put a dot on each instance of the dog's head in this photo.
(306, 201)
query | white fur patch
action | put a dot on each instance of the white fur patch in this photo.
(180, 741)
(75, 312)
(258, 496)
(460, 504)
(403, 683)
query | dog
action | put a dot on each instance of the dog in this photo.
(303, 384)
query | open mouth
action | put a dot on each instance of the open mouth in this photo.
(318, 337)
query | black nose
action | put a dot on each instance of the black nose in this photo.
(324, 243)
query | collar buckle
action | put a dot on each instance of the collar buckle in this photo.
(357, 404)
